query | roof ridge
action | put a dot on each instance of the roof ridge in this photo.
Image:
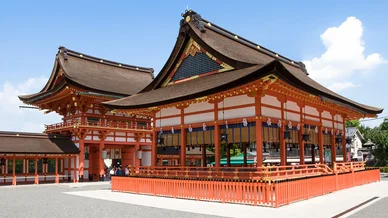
(65, 51)
(30, 134)
(202, 22)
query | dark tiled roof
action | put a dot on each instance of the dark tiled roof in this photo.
(234, 50)
(97, 75)
(182, 91)
(36, 143)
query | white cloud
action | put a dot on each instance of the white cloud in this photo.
(26, 120)
(338, 87)
(344, 56)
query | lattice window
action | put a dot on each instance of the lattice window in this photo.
(195, 65)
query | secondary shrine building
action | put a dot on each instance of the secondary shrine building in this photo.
(218, 95)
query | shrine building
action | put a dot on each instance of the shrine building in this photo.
(220, 105)
(219, 91)
(78, 85)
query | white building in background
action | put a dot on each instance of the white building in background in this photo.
(356, 145)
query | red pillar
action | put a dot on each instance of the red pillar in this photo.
(81, 159)
(345, 155)
(259, 135)
(56, 170)
(183, 140)
(301, 147)
(217, 145)
(36, 170)
(283, 149)
(13, 170)
(204, 155)
(320, 145)
(333, 147)
(69, 166)
(101, 164)
(183, 148)
(75, 169)
(154, 143)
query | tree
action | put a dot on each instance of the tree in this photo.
(353, 123)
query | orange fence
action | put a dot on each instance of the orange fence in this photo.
(255, 173)
(251, 192)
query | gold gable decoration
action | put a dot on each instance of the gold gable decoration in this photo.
(192, 49)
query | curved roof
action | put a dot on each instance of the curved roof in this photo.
(95, 75)
(36, 143)
(245, 56)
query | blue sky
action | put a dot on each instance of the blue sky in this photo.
(144, 32)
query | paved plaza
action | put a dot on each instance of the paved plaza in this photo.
(96, 199)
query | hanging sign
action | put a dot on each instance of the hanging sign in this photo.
(289, 125)
(190, 128)
(245, 122)
(316, 129)
(269, 121)
(226, 124)
(172, 130)
(161, 130)
(298, 127)
(204, 126)
(325, 130)
(279, 123)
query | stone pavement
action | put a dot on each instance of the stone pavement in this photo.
(49, 200)
(96, 199)
(324, 206)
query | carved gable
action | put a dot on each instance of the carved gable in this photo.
(195, 62)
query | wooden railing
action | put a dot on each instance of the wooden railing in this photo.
(101, 123)
(251, 192)
(241, 173)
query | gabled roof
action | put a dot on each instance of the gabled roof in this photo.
(249, 61)
(93, 74)
(353, 131)
(36, 143)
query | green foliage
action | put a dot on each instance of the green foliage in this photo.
(353, 123)
(379, 136)
(235, 150)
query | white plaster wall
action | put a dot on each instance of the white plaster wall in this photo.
(96, 138)
(146, 158)
(109, 139)
(148, 140)
(131, 134)
(86, 163)
(120, 133)
(88, 137)
(326, 114)
(270, 112)
(130, 140)
(270, 100)
(89, 111)
(327, 123)
(311, 118)
(292, 116)
(168, 112)
(169, 121)
(237, 113)
(199, 118)
(338, 117)
(311, 110)
(235, 101)
(291, 105)
(199, 107)
(120, 139)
